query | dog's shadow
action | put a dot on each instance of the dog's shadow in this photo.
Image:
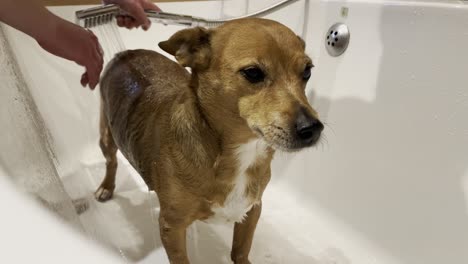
(140, 237)
(142, 219)
(128, 225)
(136, 235)
(205, 243)
(208, 243)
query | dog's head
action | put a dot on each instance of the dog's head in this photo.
(256, 71)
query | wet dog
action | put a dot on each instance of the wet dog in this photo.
(204, 140)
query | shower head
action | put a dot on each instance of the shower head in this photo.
(97, 16)
(100, 15)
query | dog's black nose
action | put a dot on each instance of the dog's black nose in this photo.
(308, 128)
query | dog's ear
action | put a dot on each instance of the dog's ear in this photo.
(303, 44)
(191, 47)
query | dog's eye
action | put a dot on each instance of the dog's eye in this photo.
(253, 74)
(307, 72)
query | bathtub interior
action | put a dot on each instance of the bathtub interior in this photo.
(388, 185)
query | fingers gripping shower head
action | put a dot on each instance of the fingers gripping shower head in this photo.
(101, 15)
(101, 20)
(97, 16)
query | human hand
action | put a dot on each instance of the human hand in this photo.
(136, 10)
(69, 41)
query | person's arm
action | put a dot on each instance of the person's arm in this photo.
(55, 35)
(27, 16)
(136, 10)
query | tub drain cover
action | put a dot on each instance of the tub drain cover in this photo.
(337, 39)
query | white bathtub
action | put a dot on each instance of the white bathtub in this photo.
(389, 185)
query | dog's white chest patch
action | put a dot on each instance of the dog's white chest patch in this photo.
(237, 203)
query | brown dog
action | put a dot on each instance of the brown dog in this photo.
(204, 141)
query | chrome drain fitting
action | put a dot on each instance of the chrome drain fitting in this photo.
(337, 39)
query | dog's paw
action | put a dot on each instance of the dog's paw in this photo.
(102, 194)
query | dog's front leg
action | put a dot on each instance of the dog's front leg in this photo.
(243, 236)
(173, 238)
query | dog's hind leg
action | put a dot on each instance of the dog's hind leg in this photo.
(109, 149)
